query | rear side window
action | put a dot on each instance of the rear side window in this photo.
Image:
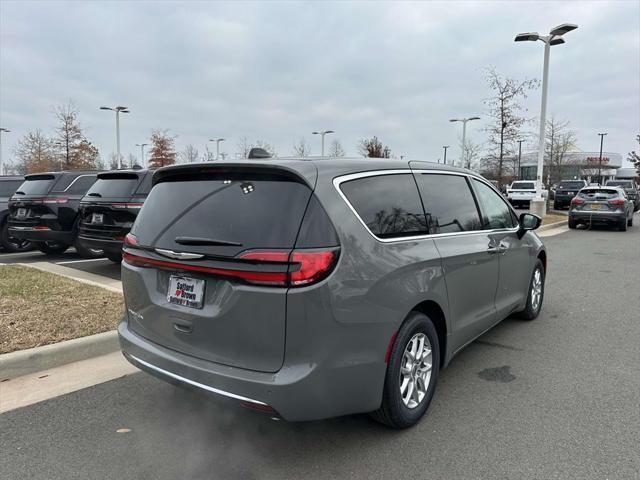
(36, 186)
(8, 187)
(241, 211)
(497, 213)
(388, 204)
(145, 185)
(80, 185)
(122, 186)
(448, 203)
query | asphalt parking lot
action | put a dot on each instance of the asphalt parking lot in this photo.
(99, 266)
(554, 398)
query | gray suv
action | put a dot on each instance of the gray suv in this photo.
(309, 289)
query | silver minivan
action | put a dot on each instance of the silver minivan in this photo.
(312, 288)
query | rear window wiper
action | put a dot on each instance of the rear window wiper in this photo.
(94, 194)
(204, 241)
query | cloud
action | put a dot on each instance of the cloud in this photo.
(278, 70)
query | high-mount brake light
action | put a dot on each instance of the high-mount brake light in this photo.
(127, 205)
(55, 200)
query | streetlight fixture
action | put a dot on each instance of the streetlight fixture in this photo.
(322, 134)
(445, 153)
(519, 158)
(142, 145)
(2, 130)
(554, 38)
(600, 159)
(118, 111)
(464, 134)
(217, 140)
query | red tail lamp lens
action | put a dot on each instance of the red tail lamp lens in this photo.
(313, 266)
(577, 201)
(130, 240)
(617, 201)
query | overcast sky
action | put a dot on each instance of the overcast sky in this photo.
(276, 71)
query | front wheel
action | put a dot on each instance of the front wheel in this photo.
(536, 293)
(51, 248)
(412, 372)
(12, 244)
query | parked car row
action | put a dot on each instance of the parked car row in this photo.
(91, 211)
(8, 185)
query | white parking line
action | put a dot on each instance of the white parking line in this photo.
(18, 254)
(81, 261)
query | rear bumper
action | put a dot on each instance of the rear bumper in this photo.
(560, 199)
(302, 392)
(37, 235)
(111, 246)
(598, 217)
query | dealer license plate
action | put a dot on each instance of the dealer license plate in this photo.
(185, 291)
(22, 213)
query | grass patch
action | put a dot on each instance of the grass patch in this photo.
(553, 218)
(39, 308)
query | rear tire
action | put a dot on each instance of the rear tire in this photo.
(396, 411)
(51, 248)
(13, 245)
(572, 224)
(623, 226)
(630, 222)
(114, 257)
(535, 296)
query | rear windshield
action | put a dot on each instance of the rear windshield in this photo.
(523, 185)
(123, 186)
(598, 194)
(252, 210)
(8, 187)
(575, 185)
(36, 186)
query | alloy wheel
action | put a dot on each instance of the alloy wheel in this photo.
(415, 370)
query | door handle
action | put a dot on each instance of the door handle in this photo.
(493, 249)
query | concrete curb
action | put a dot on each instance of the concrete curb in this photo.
(552, 225)
(77, 275)
(24, 362)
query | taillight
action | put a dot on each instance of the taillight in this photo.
(55, 200)
(127, 205)
(41, 227)
(577, 201)
(314, 265)
(130, 240)
(616, 201)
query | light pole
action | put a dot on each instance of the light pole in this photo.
(217, 140)
(519, 157)
(2, 130)
(600, 159)
(554, 38)
(118, 110)
(141, 145)
(464, 134)
(445, 153)
(322, 134)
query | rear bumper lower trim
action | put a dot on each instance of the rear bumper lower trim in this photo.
(135, 360)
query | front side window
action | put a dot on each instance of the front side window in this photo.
(497, 213)
(388, 204)
(448, 203)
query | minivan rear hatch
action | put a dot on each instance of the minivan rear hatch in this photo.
(186, 287)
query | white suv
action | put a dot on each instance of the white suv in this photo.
(523, 191)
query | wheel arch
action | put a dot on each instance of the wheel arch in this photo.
(436, 314)
(542, 255)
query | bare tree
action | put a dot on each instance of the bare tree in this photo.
(76, 152)
(244, 147)
(634, 157)
(35, 153)
(190, 154)
(301, 148)
(471, 155)
(559, 139)
(335, 149)
(505, 112)
(162, 151)
(208, 155)
(373, 148)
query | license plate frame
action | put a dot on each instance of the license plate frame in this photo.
(595, 206)
(186, 291)
(22, 212)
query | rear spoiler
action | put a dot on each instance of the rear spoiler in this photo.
(121, 175)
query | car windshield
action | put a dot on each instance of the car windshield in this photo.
(574, 185)
(599, 194)
(40, 185)
(522, 186)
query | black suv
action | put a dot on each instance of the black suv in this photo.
(8, 185)
(44, 210)
(109, 209)
(565, 191)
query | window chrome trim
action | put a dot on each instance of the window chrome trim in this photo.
(192, 382)
(337, 181)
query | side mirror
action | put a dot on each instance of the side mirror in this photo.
(528, 221)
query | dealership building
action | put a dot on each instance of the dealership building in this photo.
(575, 165)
